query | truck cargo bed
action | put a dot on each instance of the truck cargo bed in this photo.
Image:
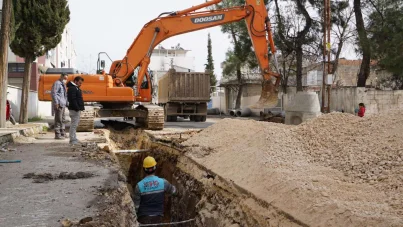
(184, 87)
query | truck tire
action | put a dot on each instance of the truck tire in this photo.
(174, 118)
(198, 118)
(192, 118)
(203, 118)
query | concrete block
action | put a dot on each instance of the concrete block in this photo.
(304, 102)
(303, 107)
(9, 134)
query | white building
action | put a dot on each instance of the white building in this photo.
(64, 54)
(163, 59)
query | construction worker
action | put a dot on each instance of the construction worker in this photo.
(59, 103)
(149, 194)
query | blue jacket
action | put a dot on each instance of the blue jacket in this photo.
(149, 196)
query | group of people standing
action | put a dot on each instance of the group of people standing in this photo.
(67, 95)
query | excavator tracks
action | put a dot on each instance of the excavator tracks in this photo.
(155, 117)
(149, 117)
(87, 119)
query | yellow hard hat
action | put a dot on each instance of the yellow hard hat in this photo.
(149, 162)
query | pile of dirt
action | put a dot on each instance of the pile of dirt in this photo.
(368, 150)
(335, 170)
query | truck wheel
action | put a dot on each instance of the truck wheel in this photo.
(203, 118)
(166, 117)
(192, 118)
(197, 118)
(174, 118)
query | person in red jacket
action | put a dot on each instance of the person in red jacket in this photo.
(361, 110)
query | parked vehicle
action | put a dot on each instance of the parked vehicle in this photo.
(184, 94)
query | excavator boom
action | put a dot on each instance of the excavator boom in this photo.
(188, 20)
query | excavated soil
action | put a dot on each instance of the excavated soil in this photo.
(203, 195)
(335, 170)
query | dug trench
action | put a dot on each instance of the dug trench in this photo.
(204, 198)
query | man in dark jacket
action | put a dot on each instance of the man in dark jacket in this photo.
(76, 105)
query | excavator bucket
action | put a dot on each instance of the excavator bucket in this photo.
(268, 97)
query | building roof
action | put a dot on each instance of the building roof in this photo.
(173, 48)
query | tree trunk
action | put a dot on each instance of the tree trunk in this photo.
(4, 43)
(240, 86)
(336, 58)
(299, 54)
(25, 91)
(365, 45)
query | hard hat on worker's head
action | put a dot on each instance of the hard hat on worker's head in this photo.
(149, 162)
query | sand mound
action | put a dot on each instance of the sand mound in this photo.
(335, 170)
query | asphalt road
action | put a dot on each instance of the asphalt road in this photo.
(182, 123)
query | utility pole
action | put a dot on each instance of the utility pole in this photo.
(326, 54)
(4, 43)
(328, 45)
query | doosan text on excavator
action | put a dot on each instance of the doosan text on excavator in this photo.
(114, 90)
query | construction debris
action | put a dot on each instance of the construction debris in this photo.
(271, 117)
(45, 177)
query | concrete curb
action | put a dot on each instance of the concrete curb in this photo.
(10, 134)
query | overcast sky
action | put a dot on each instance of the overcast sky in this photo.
(112, 25)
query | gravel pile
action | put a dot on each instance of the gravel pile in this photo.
(351, 166)
(369, 149)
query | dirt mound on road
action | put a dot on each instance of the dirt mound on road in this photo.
(335, 170)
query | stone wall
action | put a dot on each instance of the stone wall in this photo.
(348, 98)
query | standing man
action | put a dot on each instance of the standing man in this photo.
(149, 194)
(59, 102)
(76, 105)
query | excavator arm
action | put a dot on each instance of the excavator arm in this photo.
(188, 20)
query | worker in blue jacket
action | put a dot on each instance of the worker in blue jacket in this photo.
(149, 194)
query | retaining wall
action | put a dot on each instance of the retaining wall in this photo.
(36, 108)
(347, 99)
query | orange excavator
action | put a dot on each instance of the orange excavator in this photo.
(129, 80)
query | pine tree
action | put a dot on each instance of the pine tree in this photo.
(241, 54)
(41, 25)
(210, 64)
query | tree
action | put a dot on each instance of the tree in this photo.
(364, 45)
(242, 54)
(385, 31)
(210, 64)
(296, 33)
(341, 16)
(7, 25)
(41, 24)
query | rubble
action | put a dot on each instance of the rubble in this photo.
(45, 177)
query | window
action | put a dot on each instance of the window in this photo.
(16, 67)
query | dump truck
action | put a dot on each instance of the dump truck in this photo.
(184, 94)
